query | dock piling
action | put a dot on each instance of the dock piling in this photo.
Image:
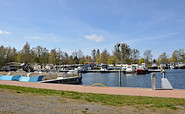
(120, 77)
(153, 77)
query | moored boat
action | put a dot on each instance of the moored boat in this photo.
(129, 69)
(141, 71)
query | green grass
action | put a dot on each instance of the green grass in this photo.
(114, 100)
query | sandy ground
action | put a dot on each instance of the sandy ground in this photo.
(16, 102)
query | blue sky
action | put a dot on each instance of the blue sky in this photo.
(158, 25)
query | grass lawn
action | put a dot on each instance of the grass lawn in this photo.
(114, 100)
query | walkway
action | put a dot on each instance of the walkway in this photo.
(103, 90)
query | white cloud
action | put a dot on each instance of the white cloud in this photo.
(36, 37)
(3, 32)
(94, 37)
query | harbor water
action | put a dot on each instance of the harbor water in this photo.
(175, 76)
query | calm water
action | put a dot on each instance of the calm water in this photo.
(176, 77)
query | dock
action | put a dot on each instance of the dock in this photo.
(66, 80)
(43, 77)
(110, 71)
(105, 71)
(165, 84)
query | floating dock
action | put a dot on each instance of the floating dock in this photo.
(105, 71)
(61, 80)
(43, 77)
(109, 71)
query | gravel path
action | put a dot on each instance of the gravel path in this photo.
(12, 101)
(104, 90)
(15, 102)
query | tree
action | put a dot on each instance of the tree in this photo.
(125, 51)
(178, 55)
(66, 58)
(135, 55)
(112, 60)
(37, 53)
(122, 52)
(141, 60)
(44, 57)
(53, 57)
(148, 56)
(18, 58)
(8, 54)
(98, 59)
(2, 56)
(33, 57)
(70, 61)
(76, 60)
(78, 56)
(117, 52)
(93, 53)
(25, 53)
(104, 56)
(14, 55)
(163, 58)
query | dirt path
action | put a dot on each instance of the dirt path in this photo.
(104, 90)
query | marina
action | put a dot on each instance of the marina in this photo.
(126, 76)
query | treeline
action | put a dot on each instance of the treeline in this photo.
(122, 53)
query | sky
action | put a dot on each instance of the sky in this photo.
(156, 25)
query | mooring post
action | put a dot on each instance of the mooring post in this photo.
(163, 72)
(153, 77)
(120, 77)
(78, 73)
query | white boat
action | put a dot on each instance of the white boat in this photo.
(103, 69)
(129, 69)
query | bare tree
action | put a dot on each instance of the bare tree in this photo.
(178, 55)
(135, 55)
(148, 56)
(93, 53)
